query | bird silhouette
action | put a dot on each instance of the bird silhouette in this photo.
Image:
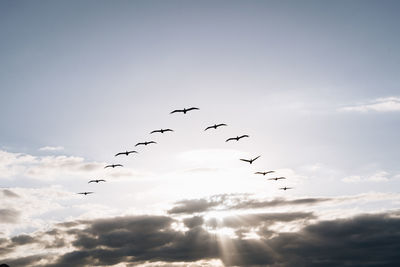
(277, 178)
(184, 110)
(126, 153)
(285, 188)
(264, 173)
(96, 181)
(113, 166)
(237, 138)
(85, 193)
(215, 126)
(145, 143)
(250, 160)
(162, 131)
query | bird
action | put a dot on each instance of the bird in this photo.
(285, 188)
(250, 160)
(96, 181)
(215, 126)
(125, 153)
(85, 193)
(183, 110)
(277, 178)
(264, 173)
(237, 138)
(113, 166)
(146, 143)
(162, 131)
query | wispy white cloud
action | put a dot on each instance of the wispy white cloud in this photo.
(50, 167)
(387, 104)
(379, 176)
(51, 148)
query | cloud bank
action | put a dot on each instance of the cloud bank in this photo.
(134, 240)
(387, 104)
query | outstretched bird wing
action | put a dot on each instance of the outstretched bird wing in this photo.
(101, 180)
(155, 131)
(279, 178)
(138, 144)
(245, 160)
(192, 108)
(108, 166)
(118, 165)
(255, 158)
(221, 124)
(209, 127)
(176, 110)
(120, 153)
(230, 139)
(245, 135)
(259, 173)
(168, 130)
(151, 142)
(91, 181)
(132, 151)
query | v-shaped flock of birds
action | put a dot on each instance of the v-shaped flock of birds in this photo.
(215, 126)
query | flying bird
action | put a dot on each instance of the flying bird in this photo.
(215, 126)
(250, 160)
(113, 166)
(277, 178)
(96, 181)
(264, 173)
(285, 188)
(126, 153)
(237, 138)
(85, 193)
(162, 131)
(146, 143)
(184, 110)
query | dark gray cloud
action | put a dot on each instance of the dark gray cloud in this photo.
(26, 261)
(366, 240)
(138, 239)
(9, 193)
(193, 206)
(9, 216)
(326, 243)
(249, 220)
(277, 202)
(193, 221)
(23, 240)
(234, 202)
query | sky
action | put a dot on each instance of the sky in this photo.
(315, 84)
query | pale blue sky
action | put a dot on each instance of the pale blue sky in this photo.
(80, 74)
(314, 83)
(95, 77)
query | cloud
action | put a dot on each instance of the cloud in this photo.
(193, 206)
(236, 202)
(51, 167)
(258, 219)
(193, 221)
(277, 202)
(51, 148)
(8, 193)
(387, 104)
(150, 239)
(9, 216)
(379, 176)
